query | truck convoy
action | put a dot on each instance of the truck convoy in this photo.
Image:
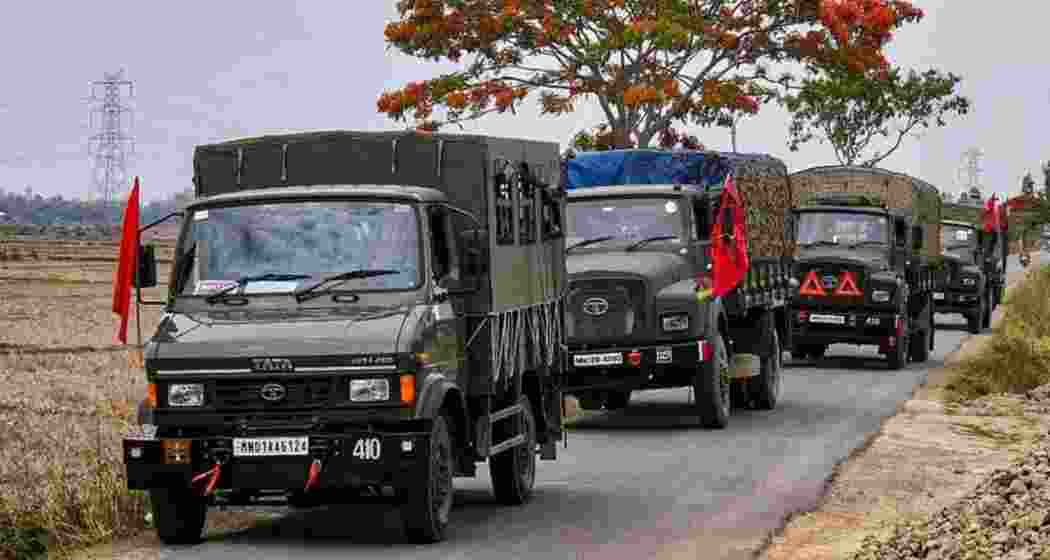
(355, 315)
(865, 263)
(638, 229)
(975, 249)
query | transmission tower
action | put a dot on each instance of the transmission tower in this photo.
(111, 144)
(970, 173)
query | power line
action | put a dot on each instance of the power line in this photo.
(112, 144)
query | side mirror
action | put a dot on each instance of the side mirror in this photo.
(917, 235)
(146, 275)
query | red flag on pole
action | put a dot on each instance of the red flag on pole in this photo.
(991, 215)
(730, 261)
(126, 266)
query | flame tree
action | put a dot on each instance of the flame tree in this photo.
(649, 64)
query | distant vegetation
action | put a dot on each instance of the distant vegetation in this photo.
(33, 209)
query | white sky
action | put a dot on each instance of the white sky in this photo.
(206, 71)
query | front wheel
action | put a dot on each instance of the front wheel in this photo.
(712, 387)
(425, 512)
(513, 471)
(179, 515)
(765, 388)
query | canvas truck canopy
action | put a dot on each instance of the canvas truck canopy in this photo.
(760, 179)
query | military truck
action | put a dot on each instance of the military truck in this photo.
(354, 316)
(638, 230)
(865, 262)
(976, 263)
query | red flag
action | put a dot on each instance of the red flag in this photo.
(129, 253)
(729, 261)
(991, 215)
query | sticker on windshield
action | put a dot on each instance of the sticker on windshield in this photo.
(962, 235)
(200, 215)
(207, 286)
(271, 287)
(671, 207)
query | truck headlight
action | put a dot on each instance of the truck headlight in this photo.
(969, 281)
(369, 390)
(186, 394)
(675, 322)
(880, 296)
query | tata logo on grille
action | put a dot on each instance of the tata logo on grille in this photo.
(272, 364)
(596, 306)
(273, 392)
(829, 281)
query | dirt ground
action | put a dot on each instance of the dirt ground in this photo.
(923, 459)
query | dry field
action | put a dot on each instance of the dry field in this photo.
(74, 391)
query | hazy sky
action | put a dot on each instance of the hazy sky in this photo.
(206, 71)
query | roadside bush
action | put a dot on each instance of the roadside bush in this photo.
(1016, 359)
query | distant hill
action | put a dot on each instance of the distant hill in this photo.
(35, 210)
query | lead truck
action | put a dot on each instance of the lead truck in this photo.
(355, 316)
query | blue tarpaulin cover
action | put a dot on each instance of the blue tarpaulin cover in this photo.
(646, 167)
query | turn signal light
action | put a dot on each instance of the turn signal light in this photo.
(176, 451)
(408, 389)
(151, 395)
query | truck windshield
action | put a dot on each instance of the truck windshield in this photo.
(842, 228)
(630, 219)
(311, 239)
(957, 237)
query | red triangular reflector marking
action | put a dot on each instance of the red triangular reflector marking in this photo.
(848, 286)
(811, 286)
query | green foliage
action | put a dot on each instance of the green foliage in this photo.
(24, 543)
(1017, 358)
(851, 110)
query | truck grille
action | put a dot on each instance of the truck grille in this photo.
(247, 394)
(604, 310)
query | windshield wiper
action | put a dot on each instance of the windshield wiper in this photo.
(244, 280)
(867, 242)
(590, 241)
(638, 244)
(821, 242)
(303, 294)
(957, 246)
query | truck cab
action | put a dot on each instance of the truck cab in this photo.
(859, 279)
(968, 290)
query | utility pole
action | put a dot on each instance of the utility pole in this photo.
(111, 144)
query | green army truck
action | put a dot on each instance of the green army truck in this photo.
(640, 312)
(976, 264)
(355, 316)
(866, 262)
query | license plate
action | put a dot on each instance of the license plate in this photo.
(663, 355)
(827, 319)
(368, 449)
(938, 295)
(271, 446)
(589, 360)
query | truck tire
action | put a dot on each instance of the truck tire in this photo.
(617, 400)
(425, 511)
(765, 387)
(975, 319)
(589, 400)
(711, 387)
(986, 301)
(920, 346)
(898, 356)
(513, 472)
(178, 514)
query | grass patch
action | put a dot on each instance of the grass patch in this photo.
(1017, 356)
(998, 437)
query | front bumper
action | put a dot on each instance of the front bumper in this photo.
(815, 325)
(349, 459)
(956, 301)
(632, 367)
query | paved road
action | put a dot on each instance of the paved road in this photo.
(642, 483)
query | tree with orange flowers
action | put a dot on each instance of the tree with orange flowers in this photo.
(648, 64)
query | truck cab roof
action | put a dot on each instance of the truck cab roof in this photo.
(407, 193)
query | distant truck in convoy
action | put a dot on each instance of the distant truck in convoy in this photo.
(638, 229)
(976, 264)
(865, 262)
(355, 315)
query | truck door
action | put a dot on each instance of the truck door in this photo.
(444, 339)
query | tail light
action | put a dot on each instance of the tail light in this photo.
(706, 350)
(634, 358)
